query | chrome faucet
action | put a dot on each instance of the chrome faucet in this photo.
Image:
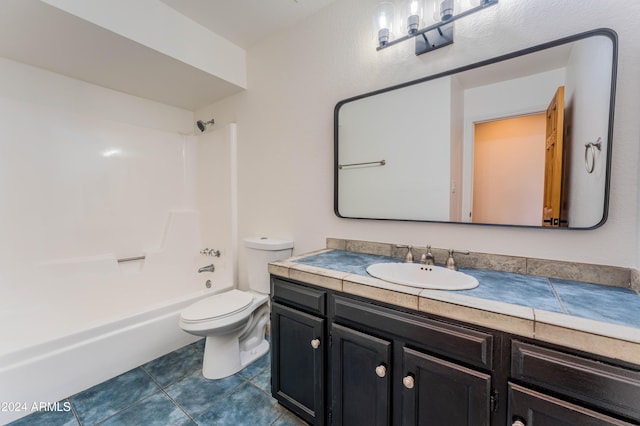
(409, 256)
(451, 262)
(427, 257)
(208, 268)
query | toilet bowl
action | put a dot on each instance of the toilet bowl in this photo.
(234, 322)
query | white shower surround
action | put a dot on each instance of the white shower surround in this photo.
(89, 176)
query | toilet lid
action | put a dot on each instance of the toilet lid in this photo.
(218, 305)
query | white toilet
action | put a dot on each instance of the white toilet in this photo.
(234, 321)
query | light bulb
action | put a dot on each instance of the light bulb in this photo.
(384, 22)
(446, 10)
(414, 15)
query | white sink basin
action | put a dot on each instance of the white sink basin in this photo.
(422, 276)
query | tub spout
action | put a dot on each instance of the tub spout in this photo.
(208, 268)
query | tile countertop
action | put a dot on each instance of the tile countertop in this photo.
(593, 318)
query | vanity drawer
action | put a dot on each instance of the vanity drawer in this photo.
(296, 295)
(463, 344)
(608, 387)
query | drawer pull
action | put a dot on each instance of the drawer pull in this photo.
(407, 381)
(381, 370)
(315, 343)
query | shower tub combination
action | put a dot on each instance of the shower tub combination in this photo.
(73, 323)
(54, 352)
(68, 323)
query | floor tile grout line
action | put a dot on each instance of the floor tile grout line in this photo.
(164, 391)
(221, 399)
(159, 390)
(73, 410)
(127, 407)
(278, 418)
(179, 379)
(180, 407)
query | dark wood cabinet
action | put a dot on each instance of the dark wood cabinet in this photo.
(360, 378)
(298, 362)
(438, 392)
(560, 377)
(530, 408)
(344, 360)
(425, 387)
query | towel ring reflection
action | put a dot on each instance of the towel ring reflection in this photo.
(590, 154)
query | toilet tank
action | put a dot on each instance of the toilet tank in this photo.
(259, 252)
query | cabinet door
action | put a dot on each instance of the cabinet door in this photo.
(298, 362)
(360, 384)
(533, 408)
(438, 392)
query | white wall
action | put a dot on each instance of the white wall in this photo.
(296, 77)
(216, 184)
(457, 153)
(589, 118)
(508, 170)
(388, 191)
(521, 96)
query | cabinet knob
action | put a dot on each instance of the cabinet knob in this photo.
(315, 343)
(407, 381)
(518, 423)
(381, 370)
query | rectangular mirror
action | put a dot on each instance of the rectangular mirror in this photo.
(523, 139)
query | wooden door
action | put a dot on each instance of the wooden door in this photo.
(360, 378)
(297, 362)
(438, 392)
(552, 201)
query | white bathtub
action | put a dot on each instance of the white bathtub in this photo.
(52, 354)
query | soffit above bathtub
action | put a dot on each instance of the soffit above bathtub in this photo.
(39, 34)
(246, 22)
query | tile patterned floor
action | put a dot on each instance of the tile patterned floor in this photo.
(171, 390)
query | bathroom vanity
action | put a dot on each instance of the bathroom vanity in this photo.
(348, 349)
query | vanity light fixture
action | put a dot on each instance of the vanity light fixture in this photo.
(416, 12)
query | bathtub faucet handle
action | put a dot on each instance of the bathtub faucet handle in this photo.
(210, 252)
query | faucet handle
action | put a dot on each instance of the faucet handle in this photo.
(451, 262)
(210, 252)
(409, 256)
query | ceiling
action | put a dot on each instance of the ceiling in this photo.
(246, 22)
(47, 37)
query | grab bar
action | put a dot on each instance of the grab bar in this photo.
(381, 162)
(130, 259)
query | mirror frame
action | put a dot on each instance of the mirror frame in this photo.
(606, 32)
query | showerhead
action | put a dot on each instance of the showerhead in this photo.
(202, 125)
